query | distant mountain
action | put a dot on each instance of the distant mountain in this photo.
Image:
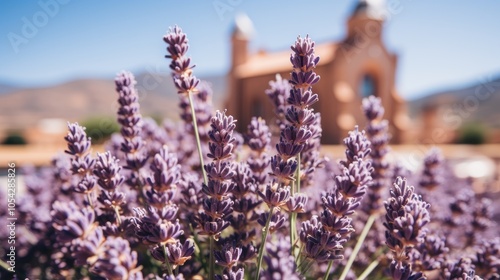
(158, 84)
(80, 99)
(477, 103)
(6, 88)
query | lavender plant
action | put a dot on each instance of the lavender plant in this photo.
(184, 80)
(130, 119)
(377, 133)
(147, 208)
(406, 218)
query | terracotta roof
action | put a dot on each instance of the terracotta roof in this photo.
(263, 63)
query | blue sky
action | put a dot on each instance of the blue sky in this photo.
(441, 44)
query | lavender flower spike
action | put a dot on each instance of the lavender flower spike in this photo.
(406, 218)
(78, 142)
(130, 120)
(304, 61)
(117, 261)
(221, 136)
(82, 161)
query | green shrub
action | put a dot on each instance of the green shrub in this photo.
(100, 129)
(472, 133)
(14, 138)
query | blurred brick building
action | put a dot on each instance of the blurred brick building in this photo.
(355, 67)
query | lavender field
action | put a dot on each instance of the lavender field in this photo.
(195, 199)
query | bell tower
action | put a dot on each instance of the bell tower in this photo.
(366, 20)
(240, 37)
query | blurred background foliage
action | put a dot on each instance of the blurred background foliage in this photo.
(100, 128)
(14, 138)
(472, 133)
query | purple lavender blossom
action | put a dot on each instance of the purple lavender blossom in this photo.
(244, 182)
(280, 264)
(283, 170)
(82, 161)
(487, 259)
(258, 136)
(180, 64)
(430, 254)
(130, 120)
(275, 196)
(231, 274)
(153, 226)
(155, 136)
(461, 269)
(221, 140)
(117, 261)
(358, 146)
(87, 250)
(211, 226)
(406, 218)
(177, 253)
(430, 178)
(278, 93)
(220, 173)
(165, 171)
(108, 172)
(177, 47)
(78, 142)
(277, 221)
(324, 237)
(296, 203)
(304, 61)
(377, 133)
(70, 222)
(228, 256)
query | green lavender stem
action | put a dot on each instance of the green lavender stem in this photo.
(89, 198)
(369, 269)
(263, 243)
(197, 136)
(4, 265)
(298, 173)
(361, 239)
(293, 233)
(293, 216)
(169, 268)
(327, 273)
(117, 213)
(211, 264)
(198, 254)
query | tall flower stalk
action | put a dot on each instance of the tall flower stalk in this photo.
(157, 225)
(324, 237)
(184, 80)
(218, 206)
(407, 215)
(130, 119)
(108, 175)
(377, 132)
(298, 118)
(299, 115)
(82, 161)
